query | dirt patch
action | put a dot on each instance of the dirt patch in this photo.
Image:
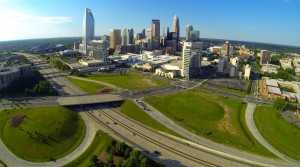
(225, 124)
(17, 120)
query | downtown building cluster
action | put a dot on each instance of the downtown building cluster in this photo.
(144, 46)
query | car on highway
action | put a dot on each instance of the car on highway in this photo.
(131, 133)
(157, 152)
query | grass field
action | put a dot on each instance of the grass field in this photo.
(133, 111)
(41, 134)
(282, 135)
(100, 143)
(89, 87)
(128, 81)
(213, 117)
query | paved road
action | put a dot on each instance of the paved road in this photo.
(207, 143)
(251, 125)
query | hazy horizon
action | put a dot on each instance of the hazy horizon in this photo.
(269, 21)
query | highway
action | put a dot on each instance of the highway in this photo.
(174, 152)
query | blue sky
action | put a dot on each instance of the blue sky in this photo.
(271, 21)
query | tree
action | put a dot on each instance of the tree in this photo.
(144, 162)
(127, 152)
(279, 104)
(95, 162)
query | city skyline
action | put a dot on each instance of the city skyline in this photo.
(247, 21)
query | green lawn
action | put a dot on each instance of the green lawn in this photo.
(282, 135)
(133, 111)
(89, 87)
(128, 81)
(213, 117)
(100, 143)
(44, 133)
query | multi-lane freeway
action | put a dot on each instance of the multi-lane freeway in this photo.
(173, 151)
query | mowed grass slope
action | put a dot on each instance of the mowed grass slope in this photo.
(89, 87)
(213, 117)
(282, 135)
(100, 143)
(128, 81)
(46, 133)
(133, 111)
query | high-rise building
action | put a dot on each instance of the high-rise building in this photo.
(234, 64)
(265, 57)
(149, 34)
(166, 32)
(155, 28)
(195, 35)
(222, 63)
(115, 38)
(99, 51)
(191, 55)
(188, 30)
(88, 29)
(226, 49)
(176, 27)
(143, 32)
(130, 36)
(125, 37)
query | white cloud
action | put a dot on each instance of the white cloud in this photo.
(56, 20)
(18, 25)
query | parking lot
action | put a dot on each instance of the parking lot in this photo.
(232, 83)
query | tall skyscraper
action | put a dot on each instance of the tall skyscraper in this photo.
(130, 35)
(226, 49)
(166, 32)
(195, 35)
(155, 28)
(149, 34)
(191, 55)
(176, 27)
(188, 30)
(127, 36)
(265, 57)
(115, 38)
(88, 29)
(144, 33)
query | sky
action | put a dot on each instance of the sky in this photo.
(268, 21)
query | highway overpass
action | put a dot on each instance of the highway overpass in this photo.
(88, 99)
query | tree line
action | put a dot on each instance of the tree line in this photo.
(133, 158)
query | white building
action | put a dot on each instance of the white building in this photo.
(170, 70)
(247, 71)
(269, 68)
(286, 63)
(191, 55)
(234, 64)
(222, 64)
